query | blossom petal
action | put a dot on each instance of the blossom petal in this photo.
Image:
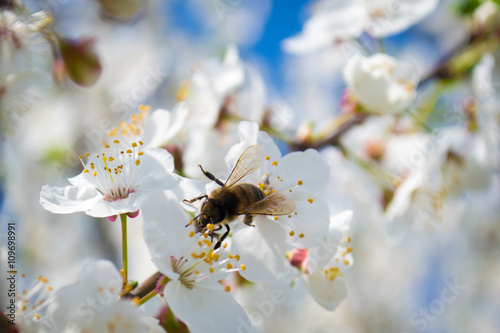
(164, 229)
(262, 250)
(327, 293)
(163, 125)
(68, 199)
(311, 222)
(308, 167)
(205, 309)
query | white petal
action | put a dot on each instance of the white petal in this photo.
(334, 21)
(327, 293)
(391, 20)
(164, 229)
(311, 221)
(262, 250)
(322, 253)
(308, 166)
(162, 125)
(104, 208)
(69, 199)
(250, 135)
(206, 309)
(98, 284)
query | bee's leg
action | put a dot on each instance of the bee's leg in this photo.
(210, 176)
(195, 199)
(219, 242)
(248, 220)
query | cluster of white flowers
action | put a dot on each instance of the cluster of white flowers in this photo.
(235, 205)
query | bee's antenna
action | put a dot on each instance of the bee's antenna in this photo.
(197, 216)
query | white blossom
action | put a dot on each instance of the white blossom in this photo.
(381, 83)
(113, 181)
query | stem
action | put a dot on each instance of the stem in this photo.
(124, 246)
(147, 297)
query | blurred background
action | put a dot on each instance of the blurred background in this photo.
(147, 53)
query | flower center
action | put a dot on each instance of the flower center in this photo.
(203, 262)
(114, 173)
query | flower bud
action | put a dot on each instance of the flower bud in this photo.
(81, 63)
(381, 83)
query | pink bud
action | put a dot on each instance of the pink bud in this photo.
(133, 214)
(80, 61)
(298, 258)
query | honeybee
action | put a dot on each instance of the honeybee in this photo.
(233, 199)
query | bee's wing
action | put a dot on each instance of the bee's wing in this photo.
(248, 162)
(273, 204)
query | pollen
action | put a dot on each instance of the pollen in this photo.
(348, 239)
(310, 200)
(301, 235)
(237, 257)
(300, 182)
(211, 270)
(191, 233)
(137, 162)
(275, 163)
(113, 132)
(243, 267)
(276, 218)
(37, 316)
(85, 171)
(210, 227)
(291, 233)
(347, 251)
(196, 272)
(346, 262)
(227, 288)
(134, 144)
(229, 265)
(267, 158)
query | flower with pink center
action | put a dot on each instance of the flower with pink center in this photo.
(113, 181)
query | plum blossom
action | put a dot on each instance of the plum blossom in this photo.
(191, 267)
(93, 304)
(381, 83)
(337, 20)
(113, 181)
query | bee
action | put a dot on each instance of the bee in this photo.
(233, 199)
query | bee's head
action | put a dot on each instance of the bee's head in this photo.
(210, 214)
